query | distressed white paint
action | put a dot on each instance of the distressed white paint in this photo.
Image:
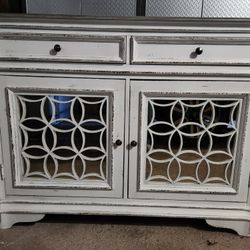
(178, 88)
(181, 50)
(8, 220)
(241, 227)
(98, 49)
(112, 89)
(29, 68)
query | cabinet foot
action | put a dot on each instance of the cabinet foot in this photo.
(241, 227)
(8, 220)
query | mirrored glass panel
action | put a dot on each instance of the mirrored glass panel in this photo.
(192, 140)
(64, 136)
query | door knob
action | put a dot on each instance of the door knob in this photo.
(118, 142)
(199, 51)
(57, 48)
(133, 143)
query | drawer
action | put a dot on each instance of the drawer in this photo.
(190, 50)
(72, 48)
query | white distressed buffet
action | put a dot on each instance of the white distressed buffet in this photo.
(125, 116)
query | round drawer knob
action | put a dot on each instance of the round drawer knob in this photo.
(118, 143)
(199, 51)
(133, 143)
(57, 48)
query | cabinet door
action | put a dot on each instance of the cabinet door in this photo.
(193, 140)
(61, 136)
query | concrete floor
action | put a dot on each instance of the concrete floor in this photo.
(113, 233)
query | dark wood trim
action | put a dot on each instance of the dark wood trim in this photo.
(15, 6)
(140, 7)
(11, 6)
(4, 6)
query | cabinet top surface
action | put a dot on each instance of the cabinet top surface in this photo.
(124, 23)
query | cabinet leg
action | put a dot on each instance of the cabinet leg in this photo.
(241, 227)
(8, 220)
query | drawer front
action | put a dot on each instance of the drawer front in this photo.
(88, 49)
(190, 50)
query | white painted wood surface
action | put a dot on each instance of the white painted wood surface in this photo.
(175, 89)
(95, 87)
(182, 50)
(28, 70)
(97, 49)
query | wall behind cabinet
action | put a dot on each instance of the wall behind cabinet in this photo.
(174, 8)
(83, 7)
(69, 7)
(109, 7)
(198, 8)
(166, 8)
(226, 8)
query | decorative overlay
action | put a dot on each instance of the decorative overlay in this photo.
(63, 136)
(191, 140)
